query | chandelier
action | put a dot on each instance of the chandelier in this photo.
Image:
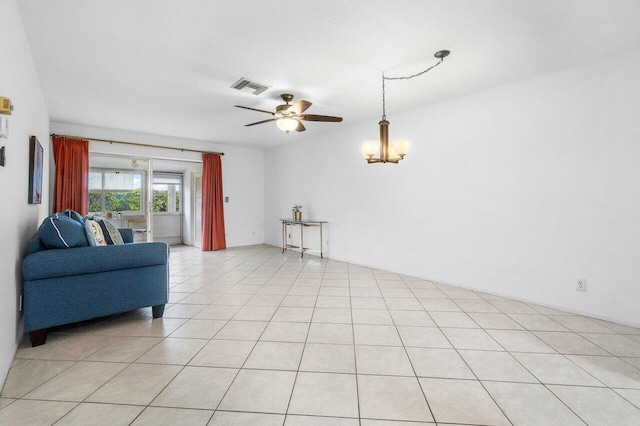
(397, 151)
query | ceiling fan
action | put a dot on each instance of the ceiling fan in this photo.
(289, 117)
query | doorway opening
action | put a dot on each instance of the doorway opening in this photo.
(167, 207)
(148, 195)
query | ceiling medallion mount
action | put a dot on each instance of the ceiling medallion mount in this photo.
(289, 117)
(381, 148)
(287, 97)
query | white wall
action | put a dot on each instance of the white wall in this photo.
(18, 220)
(518, 190)
(242, 170)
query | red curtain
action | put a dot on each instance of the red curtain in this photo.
(71, 190)
(213, 237)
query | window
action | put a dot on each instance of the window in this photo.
(115, 191)
(166, 193)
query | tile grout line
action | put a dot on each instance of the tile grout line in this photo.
(467, 364)
(183, 367)
(355, 358)
(304, 347)
(424, 395)
(521, 364)
(252, 349)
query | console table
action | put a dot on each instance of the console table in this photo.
(302, 224)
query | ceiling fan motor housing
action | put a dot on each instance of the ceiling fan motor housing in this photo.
(283, 110)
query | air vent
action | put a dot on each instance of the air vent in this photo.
(249, 86)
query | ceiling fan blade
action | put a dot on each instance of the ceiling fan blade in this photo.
(254, 109)
(260, 122)
(314, 117)
(300, 107)
(300, 127)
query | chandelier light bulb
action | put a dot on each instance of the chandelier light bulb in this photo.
(401, 147)
(369, 149)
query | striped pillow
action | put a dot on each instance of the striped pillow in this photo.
(109, 230)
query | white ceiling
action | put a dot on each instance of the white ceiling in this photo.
(165, 67)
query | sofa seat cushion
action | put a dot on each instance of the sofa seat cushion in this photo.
(88, 260)
(59, 231)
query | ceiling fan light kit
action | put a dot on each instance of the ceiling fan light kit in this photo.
(382, 152)
(289, 117)
(287, 124)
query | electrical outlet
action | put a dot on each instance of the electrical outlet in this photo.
(582, 285)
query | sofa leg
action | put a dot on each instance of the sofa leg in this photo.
(158, 311)
(38, 337)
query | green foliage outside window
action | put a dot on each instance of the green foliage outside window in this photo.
(123, 201)
(111, 192)
(95, 201)
(161, 201)
(116, 201)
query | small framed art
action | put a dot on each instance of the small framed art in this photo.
(36, 165)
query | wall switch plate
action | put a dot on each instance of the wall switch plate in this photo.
(226, 199)
(4, 126)
(582, 285)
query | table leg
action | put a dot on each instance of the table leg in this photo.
(284, 240)
(321, 256)
(301, 241)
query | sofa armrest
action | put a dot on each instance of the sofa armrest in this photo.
(88, 260)
(127, 234)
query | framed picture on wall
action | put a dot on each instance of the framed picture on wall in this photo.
(36, 164)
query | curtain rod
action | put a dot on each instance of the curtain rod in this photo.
(136, 144)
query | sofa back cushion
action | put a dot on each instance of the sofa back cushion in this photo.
(35, 245)
(60, 231)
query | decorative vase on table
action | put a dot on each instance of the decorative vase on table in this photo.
(297, 214)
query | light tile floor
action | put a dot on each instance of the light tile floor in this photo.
(255, 337)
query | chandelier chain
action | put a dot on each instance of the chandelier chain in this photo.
(408, 77)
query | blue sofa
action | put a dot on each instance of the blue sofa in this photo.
(67, 285)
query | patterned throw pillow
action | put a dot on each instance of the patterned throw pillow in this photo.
(94, 233)
(110, 232)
